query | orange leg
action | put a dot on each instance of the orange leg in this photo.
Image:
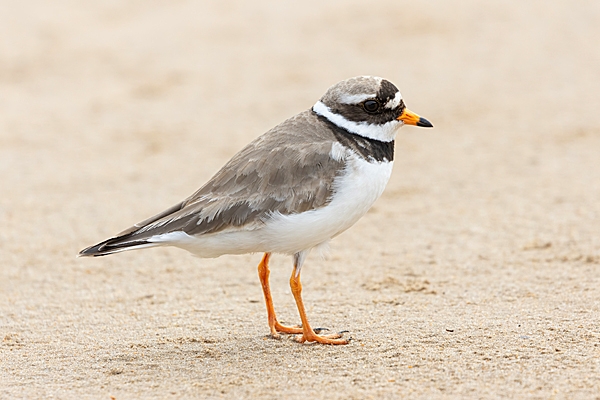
(308, 334)
(274, 325)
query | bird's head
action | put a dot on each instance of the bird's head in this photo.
(367, 106)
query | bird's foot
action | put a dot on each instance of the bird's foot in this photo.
(277, 328)
(310, 335)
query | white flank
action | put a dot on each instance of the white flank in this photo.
(354, 193)
(384, 133)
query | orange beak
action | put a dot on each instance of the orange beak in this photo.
(410, 118)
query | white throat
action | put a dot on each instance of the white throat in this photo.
(384, 133)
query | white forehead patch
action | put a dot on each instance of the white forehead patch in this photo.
(355, 98)
(393, 103)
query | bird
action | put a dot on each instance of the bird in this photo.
(289, 191)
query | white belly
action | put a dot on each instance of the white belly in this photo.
(355, 192)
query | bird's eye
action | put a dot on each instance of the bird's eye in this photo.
(371, 106)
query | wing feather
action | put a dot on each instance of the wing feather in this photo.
(287, 170)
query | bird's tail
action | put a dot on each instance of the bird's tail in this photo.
(136, 237)
(115, 245)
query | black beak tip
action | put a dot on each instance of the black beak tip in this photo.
(424, 123)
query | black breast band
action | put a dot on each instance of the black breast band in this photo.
(369, 149)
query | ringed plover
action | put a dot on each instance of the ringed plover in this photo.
(290, 190)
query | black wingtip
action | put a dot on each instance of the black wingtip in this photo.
(114, 245)
(424, 123)
(93, 251)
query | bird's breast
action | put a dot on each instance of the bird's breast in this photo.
(355, 191)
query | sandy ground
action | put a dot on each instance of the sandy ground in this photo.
(476, 275)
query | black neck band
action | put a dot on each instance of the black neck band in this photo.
(369, 149)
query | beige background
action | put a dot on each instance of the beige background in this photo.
(476, 275)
